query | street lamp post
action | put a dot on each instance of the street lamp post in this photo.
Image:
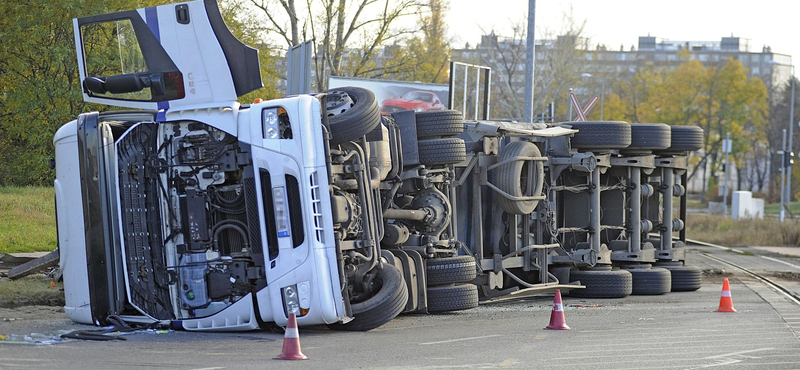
(788, 169)
(783, 178)
(602, 90)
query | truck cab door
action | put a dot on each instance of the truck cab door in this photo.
(164, 57)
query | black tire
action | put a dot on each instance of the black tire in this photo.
(441, 151)
(450, 270)
(684, 139)
(602, 283)
(684, 278)
(440, 123)
(513, 177)
(383, 306)
(445, 298)
(649, 136)
(352, 113)
(601, 135)
(650, 281)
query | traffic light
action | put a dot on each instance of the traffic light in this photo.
(788, 159)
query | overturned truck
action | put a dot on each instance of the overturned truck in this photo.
(203, 214)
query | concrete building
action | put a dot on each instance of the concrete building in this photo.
(772, 68)
(665, 53)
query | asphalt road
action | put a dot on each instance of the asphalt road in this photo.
(675, 330)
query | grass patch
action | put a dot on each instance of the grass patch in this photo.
(30, 291)
(27, 216)
(743, 253)
(695, 203)
(775, 208)
(725, 231)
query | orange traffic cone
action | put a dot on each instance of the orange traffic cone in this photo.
(725, 302)
(291, 342)
(557, 321)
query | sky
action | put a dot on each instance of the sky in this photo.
(774, 23)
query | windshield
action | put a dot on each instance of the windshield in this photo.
(418, 95)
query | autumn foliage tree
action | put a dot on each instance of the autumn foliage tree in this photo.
(39, 87)
(719, 98)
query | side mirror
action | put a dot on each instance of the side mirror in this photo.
(163, 86)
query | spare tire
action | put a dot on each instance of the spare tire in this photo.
(512, 177)
(602, 135)
(352, 113)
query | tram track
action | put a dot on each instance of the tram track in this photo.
(776, 286)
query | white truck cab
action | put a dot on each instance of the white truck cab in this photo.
(193, 211)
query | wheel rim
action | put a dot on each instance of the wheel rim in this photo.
(340, 104)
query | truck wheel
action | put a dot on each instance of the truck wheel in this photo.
(601, 135)
(602, 283)
(382, 307)
(684, 139)
(352, 113)
(684, 278)
(439, 123)
(449, 270)
(646, 137)
(441, 151)
(513, 177)
(650, 281)
(452, 297)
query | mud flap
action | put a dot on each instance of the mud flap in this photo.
(413, 268)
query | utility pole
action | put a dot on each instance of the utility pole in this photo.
(726, 148)
(788, 168)
(529, 62)
(569, 104)
(783, 176)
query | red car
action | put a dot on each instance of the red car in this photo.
(413, 100)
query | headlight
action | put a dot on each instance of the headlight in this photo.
(291, 301)
(270, 124)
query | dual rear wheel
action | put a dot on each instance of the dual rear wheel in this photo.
(448, 283)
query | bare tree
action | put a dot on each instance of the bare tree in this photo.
(287, 29)
(559, 62)
(348, 34)
(780, 103)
